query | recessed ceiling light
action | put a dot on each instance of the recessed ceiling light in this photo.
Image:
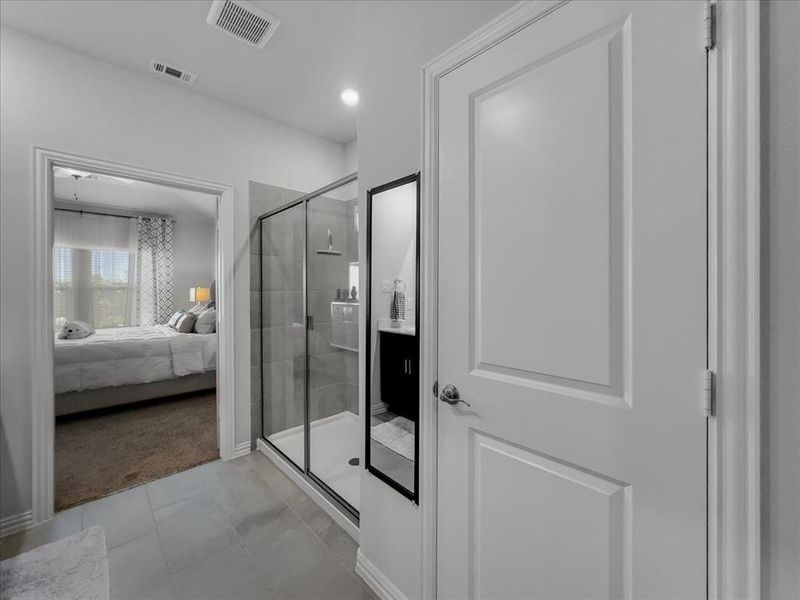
(349, 97)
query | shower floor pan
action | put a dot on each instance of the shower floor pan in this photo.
(334, 441)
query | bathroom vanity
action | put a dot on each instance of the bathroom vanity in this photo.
(399, 365)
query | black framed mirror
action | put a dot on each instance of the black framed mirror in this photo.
(392, 358)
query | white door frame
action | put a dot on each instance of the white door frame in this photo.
(734, 137)
(42, 395)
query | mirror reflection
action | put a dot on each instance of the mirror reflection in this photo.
(393, 358)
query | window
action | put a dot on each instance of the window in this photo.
(63, 290)
(353, 276)
(93, 285)
(110, 288)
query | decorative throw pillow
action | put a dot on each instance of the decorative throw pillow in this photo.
(75, 330)
(198, 308)
(174, 319)
(185, 323)
(206, 321)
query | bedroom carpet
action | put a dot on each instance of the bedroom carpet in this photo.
(97, 454)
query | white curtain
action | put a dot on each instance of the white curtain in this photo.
(94, 268)
(88, 230)
(155, 266)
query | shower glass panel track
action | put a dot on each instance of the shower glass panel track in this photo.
(310, 305)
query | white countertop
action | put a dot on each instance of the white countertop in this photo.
(389, 327)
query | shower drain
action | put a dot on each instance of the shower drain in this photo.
(353, 462)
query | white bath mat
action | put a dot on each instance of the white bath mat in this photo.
(74, 568)
(397, 435)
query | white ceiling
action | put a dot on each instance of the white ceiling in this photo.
(126, 195)
(296, 78)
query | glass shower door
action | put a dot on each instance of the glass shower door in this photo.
(333, 304)
(283, 335)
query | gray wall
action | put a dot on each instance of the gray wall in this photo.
(195, 254)
(396, 39)
(780, 127)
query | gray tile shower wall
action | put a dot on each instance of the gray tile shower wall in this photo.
(282, 321)
(351, 359)
(279, 270)
(331, 392)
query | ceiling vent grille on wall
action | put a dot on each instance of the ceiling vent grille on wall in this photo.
(171, 72)
(242, 20)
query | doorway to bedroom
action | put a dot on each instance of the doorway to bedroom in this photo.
(134, 324)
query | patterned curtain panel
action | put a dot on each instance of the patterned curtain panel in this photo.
(155, 271)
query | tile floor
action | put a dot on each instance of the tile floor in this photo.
(237, 530)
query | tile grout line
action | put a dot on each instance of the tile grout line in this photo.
(244, 545)
(283, 494)
(350, 571)
(173, 588)
(328, 549)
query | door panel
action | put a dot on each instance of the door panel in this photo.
(567, 511)
(283, 340)
(572, 265)
(532, 132)
(332, 253)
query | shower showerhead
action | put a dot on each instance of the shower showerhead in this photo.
(330, 251)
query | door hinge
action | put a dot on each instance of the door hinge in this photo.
(710, 25)
(435, 389)
(708, 393)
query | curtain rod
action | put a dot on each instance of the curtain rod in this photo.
(102, 214)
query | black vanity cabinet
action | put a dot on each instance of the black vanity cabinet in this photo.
(399, 363)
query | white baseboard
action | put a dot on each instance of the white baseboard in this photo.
(16, 523)
(375, 579)
(241, 449)
(330, 509)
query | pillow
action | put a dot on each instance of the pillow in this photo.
(185, 323)
(75, 330)
(197, 309)
(206, 321)
(174, 319)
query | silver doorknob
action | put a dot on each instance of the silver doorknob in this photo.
(451, 396)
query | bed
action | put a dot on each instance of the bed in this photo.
(129, 364)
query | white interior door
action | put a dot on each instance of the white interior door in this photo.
(572, 274)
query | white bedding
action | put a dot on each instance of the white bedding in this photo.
(129, 355)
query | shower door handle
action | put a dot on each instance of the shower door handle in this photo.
(310, 322)
(451, 396)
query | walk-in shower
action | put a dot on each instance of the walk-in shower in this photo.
(309, 308)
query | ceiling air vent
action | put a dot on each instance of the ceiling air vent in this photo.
(171, 72)
(243, 21)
